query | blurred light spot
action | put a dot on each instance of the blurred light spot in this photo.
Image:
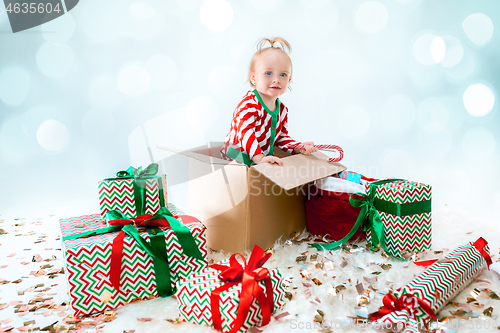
(434, 145)
(226, 80)
(203, 39)
(433, 115)
(133, 80)
(405, 2)
(265, 4)
(239, 54)
(454, 51)
(429, 49)
(398, 113)
(176, 100)
(352, 122)
(35, 116)
(397, 161)
(478, 144)
(189, 5)
(321, 18)
(478, 99)
(145, 24)
(104, 94)
(348, 68)
(14, 85)
(141, 11)
(202, 112)
(371, 17)
(59, 30)
(54, 59)
(15, 146)
(479, 28)
(162, 71)
(314, 3)
(464, 68)
(425, 76)
(98, 123)
(438, 49)
(52, 135)
(99, 25)
(216, 15)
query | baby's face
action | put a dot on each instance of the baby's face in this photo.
(273, 73)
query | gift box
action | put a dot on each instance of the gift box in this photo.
(328, 209)
(109, 265)
(217, 296)
(404, 208)
(412, 306)
(133, 192)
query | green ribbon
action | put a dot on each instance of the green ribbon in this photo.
(157, 247)
(139, 178)
(274, 119)
(370, 208)
(239, 156)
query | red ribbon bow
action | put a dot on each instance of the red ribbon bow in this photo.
(147, 220)
(249, 275)
(393, 303)
(480, 245)
(117, 246)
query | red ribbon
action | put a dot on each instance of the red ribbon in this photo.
(393, 303)
(117, 246)
(480, 244)
(249, 275)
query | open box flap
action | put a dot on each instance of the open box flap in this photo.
(206, 155)
(299, 170)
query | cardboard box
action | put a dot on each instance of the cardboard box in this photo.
(245, 206)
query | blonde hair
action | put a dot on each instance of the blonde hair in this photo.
(284, 47)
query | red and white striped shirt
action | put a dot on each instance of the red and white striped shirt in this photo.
(251, 128)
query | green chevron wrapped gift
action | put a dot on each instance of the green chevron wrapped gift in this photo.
(230, 296)
(411, 307)
(404, 208)
(109, 265)
(133, 192)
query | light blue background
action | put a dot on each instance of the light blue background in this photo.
(72, 91)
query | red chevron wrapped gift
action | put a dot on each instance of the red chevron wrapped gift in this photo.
(411, 307)
(133, 192)
(232, 297)
(103, 276)
(405, 211)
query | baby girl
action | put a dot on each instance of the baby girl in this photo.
(260, 120)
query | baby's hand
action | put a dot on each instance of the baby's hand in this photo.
(271, 160)
(308, 149)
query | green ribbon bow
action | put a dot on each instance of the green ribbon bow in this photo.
(157, 248)
(370, 207)
(140, 177)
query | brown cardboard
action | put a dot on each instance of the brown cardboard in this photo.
(242, 206)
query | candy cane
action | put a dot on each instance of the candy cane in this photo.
(330, 148)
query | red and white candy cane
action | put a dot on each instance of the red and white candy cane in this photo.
(330, 148)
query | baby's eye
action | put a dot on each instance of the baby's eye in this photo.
(268, 73)
(283, 75)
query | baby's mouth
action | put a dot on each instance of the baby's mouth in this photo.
(275, 88)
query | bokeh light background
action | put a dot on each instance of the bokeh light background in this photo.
(408, 88)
